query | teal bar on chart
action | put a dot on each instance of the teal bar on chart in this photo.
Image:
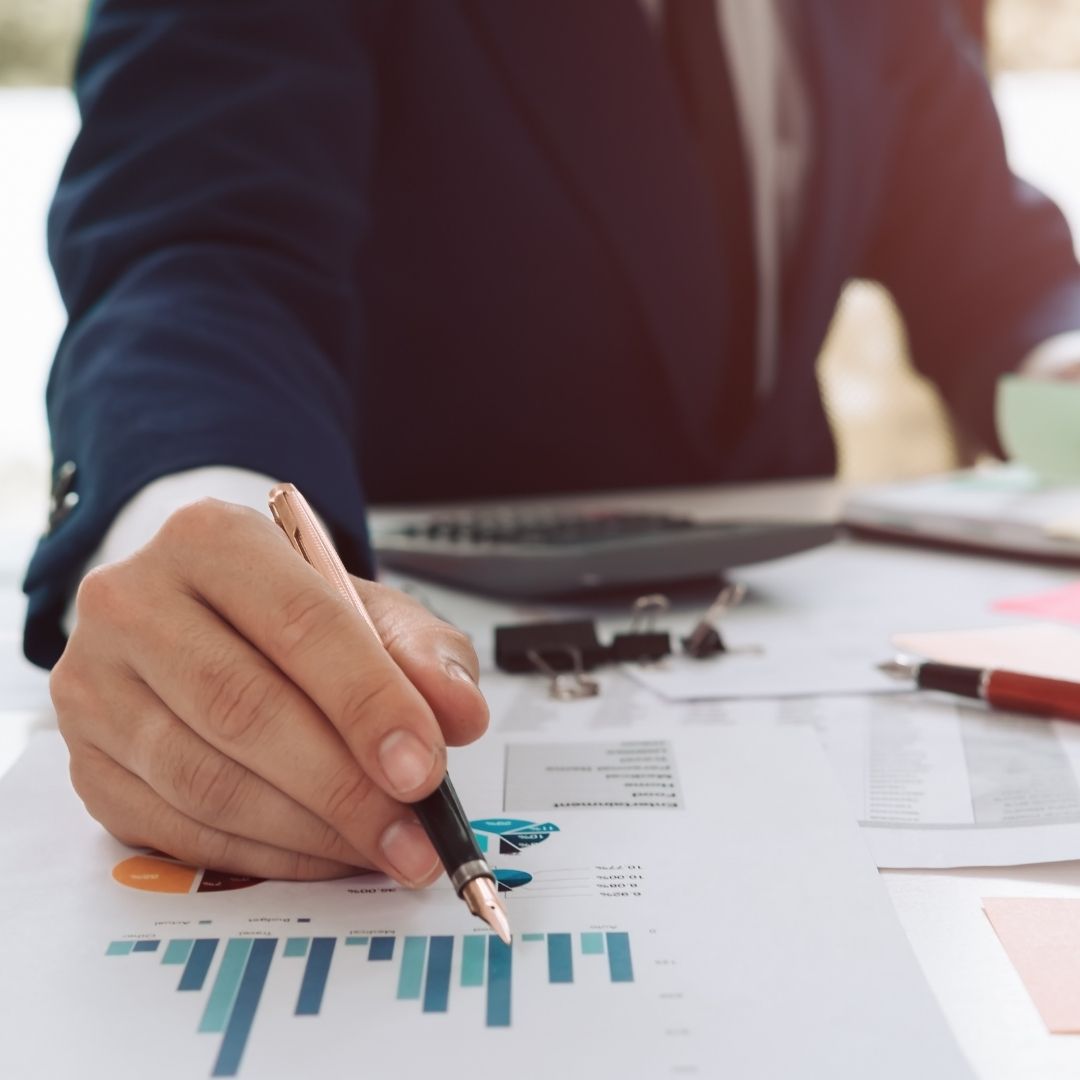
(220, 1002)
(560, 960)
(296, 946)
(315, 974)
(119, 948)
(619, 962)
(474, 950)
(411, 976)
(177, 951)
(198, 964)
(592, 944)
(532, 937)
(246, 1005)
(499, 969)
(437, 983)
(356, 939)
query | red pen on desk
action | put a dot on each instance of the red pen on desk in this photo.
(1003, 689)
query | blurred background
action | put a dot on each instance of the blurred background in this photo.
(889, 423)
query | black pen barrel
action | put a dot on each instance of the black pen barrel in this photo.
(445, 822)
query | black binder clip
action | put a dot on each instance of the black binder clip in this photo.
(561, 646)
(563, 651)
(705, 639)
(643, 643)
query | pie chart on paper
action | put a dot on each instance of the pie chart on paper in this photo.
(511, 835)
(160, 874)
(508, 880)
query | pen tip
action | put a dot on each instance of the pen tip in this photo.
(898, 668)
(501, 925)
(482, 897)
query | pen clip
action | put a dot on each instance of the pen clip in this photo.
(282, 511)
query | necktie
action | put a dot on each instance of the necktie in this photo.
(705, 88)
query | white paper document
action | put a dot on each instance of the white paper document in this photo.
(741, 932)
(941, 783)
(935, 781)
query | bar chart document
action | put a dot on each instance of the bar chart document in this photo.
(730, 923)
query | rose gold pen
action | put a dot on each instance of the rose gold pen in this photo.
(440, 813)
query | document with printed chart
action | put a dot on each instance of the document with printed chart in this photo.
(652, 937)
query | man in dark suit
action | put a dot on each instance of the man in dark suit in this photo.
(409, 250)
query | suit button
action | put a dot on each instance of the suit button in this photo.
(64, 496)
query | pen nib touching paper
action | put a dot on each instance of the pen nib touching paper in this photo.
(482, 898)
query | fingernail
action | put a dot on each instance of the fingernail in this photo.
(406, 761)
(458, 671)
(409, 852)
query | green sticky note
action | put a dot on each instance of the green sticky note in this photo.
(1038, 422)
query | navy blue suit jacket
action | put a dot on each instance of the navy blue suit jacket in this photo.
(413, 250)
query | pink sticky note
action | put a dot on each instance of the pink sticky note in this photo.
(1060, 604)
(1042, 939)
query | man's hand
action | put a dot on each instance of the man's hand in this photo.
(223, 704)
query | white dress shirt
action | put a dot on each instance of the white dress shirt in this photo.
(145, 513)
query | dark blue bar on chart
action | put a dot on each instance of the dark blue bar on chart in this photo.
(437, 986)
(244, 1008)
(314, 982)
(145, 946)
(560, 962)
(619, 962)
(381, 948)
(198, 964)
(498, 979)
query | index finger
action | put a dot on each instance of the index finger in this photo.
(240, 564)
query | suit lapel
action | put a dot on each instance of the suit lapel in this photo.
(592, 84)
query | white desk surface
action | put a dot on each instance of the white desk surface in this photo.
(980, 993)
